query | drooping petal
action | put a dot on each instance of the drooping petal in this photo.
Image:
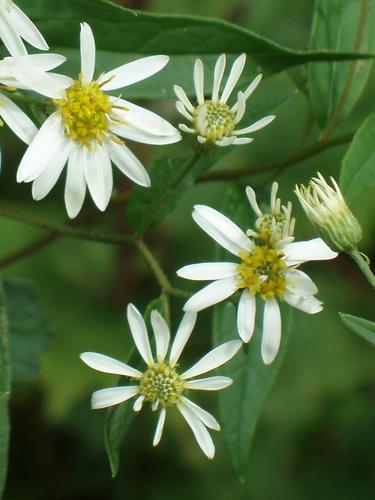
(75, 185)
(214, 359)
(233, 78)
(98, 174)
(26, 28)
(182, 336)
(47, 179)
(133, 72)
(159, 427)
(112, 396)
(212, 294)
(88, 53)
(46, 144)
(128, 163)
(199, 81)
(304, 251)
(246, 315)
(263, 122)
(107, 364)
(199, 430)
(309, 305)
(139, 333)
(221, 229)
(17, 120)
(218, 76)
(162, 334)
(300, 284)
(207, 419)
(271, 331)
(209, 383)
(208, 271)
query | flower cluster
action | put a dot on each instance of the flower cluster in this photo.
(86, 129)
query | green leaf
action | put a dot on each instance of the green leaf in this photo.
(5, 386)
(122, 34)
(119, 418)
(242, 403)
(363, 327)
(29, 328)
(171, 178)
(358, 165)
(335, 27)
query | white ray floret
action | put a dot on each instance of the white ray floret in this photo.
(161, 383)
(87, 129)
(16, 27)
(266, 267)
(214, 120)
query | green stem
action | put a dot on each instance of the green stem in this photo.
(366, 4)
(5, 386)
(279, 165)
(363, 264)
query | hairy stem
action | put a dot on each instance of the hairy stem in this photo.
(363, 264)
(5, 387)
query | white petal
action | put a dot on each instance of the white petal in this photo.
(263, 122)
(36, 79)
(250, 193)
(207, 419)
(112, 396)
(271, 331)
(253, 85)
(241, 107)
(138, 403)
(209, 383)
(133, 72)
(162, 334)
(218, 76)
(309, 305)
(75, 185)
(246, 315)
(137, 135)
(240, 141)
(26, 28)
(303, 251)
(226, 141)
(221, 229)
(139, 333)
(46, 144)
(159, 427)
(98, 174)
(45, 181)
(44, 62)
(107, 364)
(17, 120)
(199, 80)
(208, 271)
(199, 430)
(128, 163)
(10, 37)
(299, 283)
(182, 110)
(184, 128)
(234, 76)
(181, 94)
(87, 53)
(214, 359)
(182, 336)
(212, 294)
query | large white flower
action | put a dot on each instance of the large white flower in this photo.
(85, 128)
(12, 115)
(161, 383)
(15, 27)
(214, 120)
(266, 267)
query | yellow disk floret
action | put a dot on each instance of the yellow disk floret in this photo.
(214, 120)
(263, 272)
(85, 110)
(161, 382)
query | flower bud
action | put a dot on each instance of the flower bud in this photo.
(327, 210)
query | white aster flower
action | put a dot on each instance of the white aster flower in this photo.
(15, 27)
(12, 115)
(327, 210)
(161, 383)
(214, 120)
(86, 127)
(266, 267)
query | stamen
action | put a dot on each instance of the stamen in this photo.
(161, 383)
(214, 120)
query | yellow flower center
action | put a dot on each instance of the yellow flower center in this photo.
(270, 225)
(214, 120)
(85, 110)
(262, 272)
(161, 382)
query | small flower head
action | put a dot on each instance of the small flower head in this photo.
(213, 120)
(161, 383)
(327, 210)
